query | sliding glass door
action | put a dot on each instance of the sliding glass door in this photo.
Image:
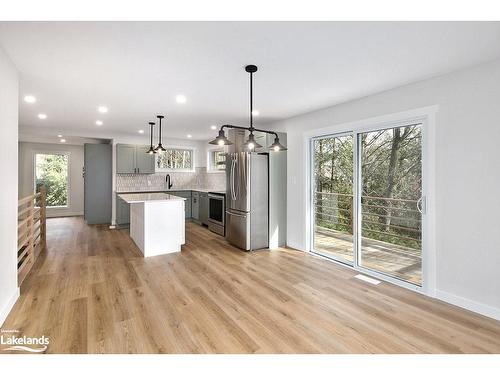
(333, 197)
(367, 200)
(391, 191)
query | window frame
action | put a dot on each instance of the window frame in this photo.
(68, 178)
(181, 170)
(210, 160)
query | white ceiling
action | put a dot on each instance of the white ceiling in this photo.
(137, 68)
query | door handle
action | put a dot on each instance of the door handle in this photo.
(422, 205)
(233, 214)
(233, 165)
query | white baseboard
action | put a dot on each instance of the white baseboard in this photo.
(477, 307)
(63, 214)
(4, 312)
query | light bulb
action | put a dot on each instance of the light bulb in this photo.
(276, 148)
(221, 142)
(251, 145)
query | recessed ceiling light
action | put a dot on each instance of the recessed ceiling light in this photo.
(62, 140)
(102, 109)
(189, 135)
(42, 116)
(141, 131)
(59, 135)
(255, 112)
(181, 99)
(213, 127)
(29, 99)
(98, 122)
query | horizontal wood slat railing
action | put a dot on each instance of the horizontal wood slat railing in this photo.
(31, 231)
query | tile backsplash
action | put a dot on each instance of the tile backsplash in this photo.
(199, 179)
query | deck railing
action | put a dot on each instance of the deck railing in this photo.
(394, 220)
(31, 231)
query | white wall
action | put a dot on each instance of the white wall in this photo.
(76, 183)
(8, 199)
(467, 176)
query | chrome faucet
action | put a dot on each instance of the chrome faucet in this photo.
(167, 180)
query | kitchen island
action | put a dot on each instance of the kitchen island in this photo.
(156, 222)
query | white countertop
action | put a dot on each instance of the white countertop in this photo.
(148, 197)
(201, 190)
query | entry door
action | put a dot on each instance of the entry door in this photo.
(367, 200)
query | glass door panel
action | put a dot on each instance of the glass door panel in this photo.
(333, 197)
(390, 202)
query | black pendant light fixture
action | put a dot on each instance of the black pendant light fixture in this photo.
(159, 148)
(221, 139)
(151, 148)
(250, 144)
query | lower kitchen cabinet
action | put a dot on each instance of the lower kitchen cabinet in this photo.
(203, 208)
(187, 203)
(122, 212)
(195, 205)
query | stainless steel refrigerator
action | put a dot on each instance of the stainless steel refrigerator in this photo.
(247, 200)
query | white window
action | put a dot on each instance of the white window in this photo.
(216, 160)
(51, 170)
(175, 159)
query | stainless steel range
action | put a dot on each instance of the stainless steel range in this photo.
(216, 208)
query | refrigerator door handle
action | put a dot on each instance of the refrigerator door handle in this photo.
(233, 164)
(234, 214)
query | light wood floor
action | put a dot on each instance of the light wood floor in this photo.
(92, 292)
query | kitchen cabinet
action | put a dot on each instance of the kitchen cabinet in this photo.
(203, 208)
(134, 159)
(195, 205)
(184, 194)
(144, 162)
(122, 212)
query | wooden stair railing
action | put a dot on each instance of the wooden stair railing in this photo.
(31, 231)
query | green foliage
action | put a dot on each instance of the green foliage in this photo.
(391, 173)
(52, 171)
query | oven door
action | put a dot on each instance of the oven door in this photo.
(216, 209)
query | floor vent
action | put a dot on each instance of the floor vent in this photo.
(367, 279)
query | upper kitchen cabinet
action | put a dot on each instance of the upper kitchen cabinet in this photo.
(144, 162)
(134, 159)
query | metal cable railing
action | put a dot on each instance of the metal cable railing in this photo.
(388, 219)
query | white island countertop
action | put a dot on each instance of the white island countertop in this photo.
(157, 223)
(149, 197)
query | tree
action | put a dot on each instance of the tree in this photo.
(52, 171)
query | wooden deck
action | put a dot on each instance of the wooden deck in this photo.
(401, 262)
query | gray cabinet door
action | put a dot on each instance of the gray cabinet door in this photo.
(125, 159)
(122, 212)
(195, 205)
(203, 208)
(145, 163)
(97, 183)
(184, 194)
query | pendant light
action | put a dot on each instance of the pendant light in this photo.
(251, 144)
(151, 148)
(221, 139)
(159, 148)
(277, 146)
